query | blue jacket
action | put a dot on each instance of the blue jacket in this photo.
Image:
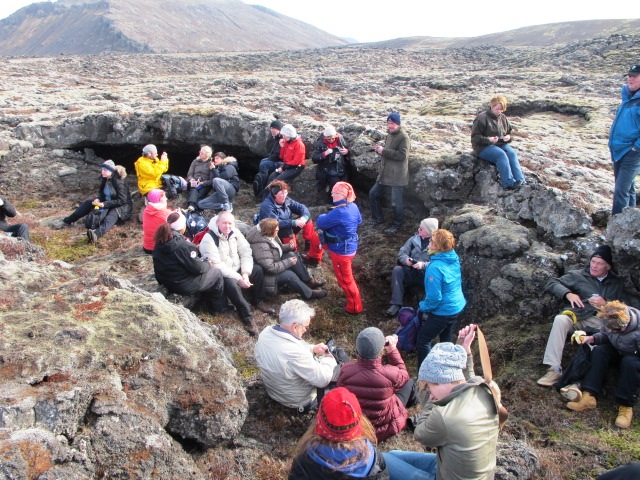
(284, 214)
(625, 129)
(443, 285)
(341, 222)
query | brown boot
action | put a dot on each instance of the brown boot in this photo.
(250, 327)
(313, 283)
(264, 308)
(625, 414)
(587, 402)
(319, 293)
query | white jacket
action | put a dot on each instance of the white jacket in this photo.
(289, 369)
(232, 255)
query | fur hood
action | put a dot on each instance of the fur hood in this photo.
(121, 171)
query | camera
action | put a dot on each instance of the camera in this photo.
(413, 262)
(331, 347)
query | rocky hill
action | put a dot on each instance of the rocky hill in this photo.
(84, 27)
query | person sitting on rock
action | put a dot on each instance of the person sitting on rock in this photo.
(20, 230)
(149, 169)
(583, 292)
(178, 267)
(413, 259)
(292, 153)
(292, 370)
(272, 160)
(331, 156)
(617, 343)
(154, 215)
(113, 201)
(224, 184)
(278, 205)
(199, 177)
(228, 250)
(282, 266)
(380, 381)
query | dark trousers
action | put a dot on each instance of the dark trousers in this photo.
(407, 394)
(83, 210)
(197, 194)
(233, 291)
(403, 276)
(602, 356)
(397, 203)
(296, 277)
(434, 326)
(286, 175)
(212, 288)
(17, 230)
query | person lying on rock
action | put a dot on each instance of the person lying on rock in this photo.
(20, 230)
(199, 177)
(225, 183)
(149, 169)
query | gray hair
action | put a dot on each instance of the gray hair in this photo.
(149, 149)
(295, 311)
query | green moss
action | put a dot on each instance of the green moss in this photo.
(625, 442)
(245, 369)
(60, 246)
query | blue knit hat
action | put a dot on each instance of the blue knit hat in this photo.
(444, 364)
(394, 117)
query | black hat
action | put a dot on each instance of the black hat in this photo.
(277, 124)
(604, 252)
(634, 70)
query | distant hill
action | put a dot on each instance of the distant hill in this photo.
(534, 36)
(84, 27)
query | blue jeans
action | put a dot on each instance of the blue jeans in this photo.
(268, 165)
(397, 200)
(505, 159)
(434, 326)
(223, 192)
(625, 171)
(411, 465)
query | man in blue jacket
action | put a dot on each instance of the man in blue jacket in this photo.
(624, 143)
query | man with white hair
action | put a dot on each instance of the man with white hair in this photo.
(149, 169)
(293, 370)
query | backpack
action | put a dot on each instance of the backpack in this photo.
(195, 224)
(94, 218)
(173, 185)
(410, 322)
(260, 182)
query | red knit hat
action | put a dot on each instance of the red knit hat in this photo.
(339, 416)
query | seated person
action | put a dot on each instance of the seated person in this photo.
(149, 169)
(340, 443)
(331, 155)
(272, 160)
(227, 249)
(380, 381)
(224, 183)
(293, 153)
(18, 229)
(293, 370)
(199, 177)
(281, 266)
(154, 215)
(278, 205)
(113, 201)
(413, 258)
(582, 291)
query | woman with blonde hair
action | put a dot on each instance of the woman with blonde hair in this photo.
(443, 300)
(339, 444)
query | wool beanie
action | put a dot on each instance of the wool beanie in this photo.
(444, 364)
(394, 117)
(109, 165)
(344, 189)
(369, 343)
(149, 149)
(339, 416)
(429, 225)
(179, 224)
(330, 131)
(604, 252)
(277, 124)
(289, 131)
(155, 195)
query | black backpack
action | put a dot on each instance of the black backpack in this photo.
(260, 182)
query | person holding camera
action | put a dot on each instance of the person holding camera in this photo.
(199, 177)
(149, 169)
(490, 139)
(413, 258)
(330, 155)
(380, 381)
(17, 230)
(293, 371)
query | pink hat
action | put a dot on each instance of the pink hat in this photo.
(155, 195)
(344, 189)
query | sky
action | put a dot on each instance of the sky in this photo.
(371, 20)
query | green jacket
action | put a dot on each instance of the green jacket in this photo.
(394, 167)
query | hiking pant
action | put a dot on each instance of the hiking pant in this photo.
(344, 276)
(397, 203)
(286, 175)
(233, 291)
(401, 277)
(562, 326)
(223, 192)
(628, 373)
(17, 230)
(296, 277)
(434, 326)
(196, 194)
(311, 236)
(624, 173)
(107, 223)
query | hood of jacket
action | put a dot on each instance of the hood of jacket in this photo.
(450, 257)
(171, 245)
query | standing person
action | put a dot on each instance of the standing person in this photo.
(413, 259)
(617, 343)
(292, 153)
(583, 292)
(380, 381)
(293, 370)
(17, 230)
(178, 267)
(460, 419)
(272, 160)
(113, 201)
(624, 143)
(199, 177)
(340, 234)
(292, 217)
(228, 250)
(149, 169)
(340, 443)
(490, 138)
(331, 155)
(393, 174)
(443, 300)
(154, 215)
(224, 183)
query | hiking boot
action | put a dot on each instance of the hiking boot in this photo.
(264, 308)
(625, 414)
(393, 310)
(227, 207)
(92, 236)
(250, 327)
(392, 230)
(375, 223)
(313, 283)
(587, 402)
(319, 293)
(550, 378)
(310, 262)
(571, 393)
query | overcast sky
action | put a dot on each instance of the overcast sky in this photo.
(370, 20)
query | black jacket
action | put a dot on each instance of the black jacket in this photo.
(177, 266)
(334, 164)
(304, 468)
(228, 170)
(273, 147)
(6, 210)
(120, 195)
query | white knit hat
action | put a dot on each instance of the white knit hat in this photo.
(444, 364)
(329, 131)
(288, 131)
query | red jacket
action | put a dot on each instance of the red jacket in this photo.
(293, 153)
(375, 385)
(152, 218)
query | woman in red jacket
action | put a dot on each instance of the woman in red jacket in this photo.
(383, 388)
(155, 214)
(293, 153)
